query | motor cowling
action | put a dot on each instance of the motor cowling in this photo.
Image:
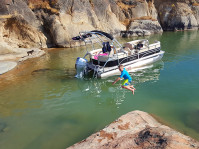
(80, 66)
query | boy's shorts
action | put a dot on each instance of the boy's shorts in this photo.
(126, 82)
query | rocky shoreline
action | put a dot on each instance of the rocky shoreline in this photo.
(136, 130)
(11, 57)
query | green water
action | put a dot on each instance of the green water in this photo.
(49, 108)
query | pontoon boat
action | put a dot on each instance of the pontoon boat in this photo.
(107, 53)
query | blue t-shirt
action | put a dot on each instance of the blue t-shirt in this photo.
(125, 75)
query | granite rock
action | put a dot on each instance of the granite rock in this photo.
(136, 130)
(178, 15)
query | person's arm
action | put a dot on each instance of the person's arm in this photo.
(116, 80)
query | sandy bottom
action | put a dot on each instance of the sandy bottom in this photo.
(12, 72)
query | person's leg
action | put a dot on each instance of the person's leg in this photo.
(129, 88)
(126, 85)
(125, 82)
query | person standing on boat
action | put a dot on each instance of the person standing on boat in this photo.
(127, 79)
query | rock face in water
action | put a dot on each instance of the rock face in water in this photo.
(178, 14)
(148, 25)
(136, 130)
(42, 23)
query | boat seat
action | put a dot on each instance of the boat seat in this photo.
(103, 58)
(128, 45)
(120, 55)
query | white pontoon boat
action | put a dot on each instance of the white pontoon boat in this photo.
(104, 61)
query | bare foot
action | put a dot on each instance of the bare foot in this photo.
(133, 92)
(133, 87)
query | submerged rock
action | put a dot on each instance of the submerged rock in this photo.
(191, 120)
(137, 130)
(3, 127)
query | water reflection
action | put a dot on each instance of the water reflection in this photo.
(148, 73)
(190, 119)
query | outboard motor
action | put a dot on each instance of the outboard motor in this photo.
(80, 66)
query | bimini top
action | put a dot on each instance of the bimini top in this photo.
(84, 35)
(103, 33)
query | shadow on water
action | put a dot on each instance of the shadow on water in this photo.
(3, 126)
(191, 120)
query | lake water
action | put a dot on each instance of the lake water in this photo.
(48, 108)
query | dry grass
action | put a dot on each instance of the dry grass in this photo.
(43, 4)
(20, 27)
(126, 7)
(187, 11)
(144, 18)
(126, 22)
(5, 16)
(91, 2)
(195, 4)
(173, 5)
(141, 1)
(150, 4)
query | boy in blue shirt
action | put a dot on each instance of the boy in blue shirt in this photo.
(127, 79)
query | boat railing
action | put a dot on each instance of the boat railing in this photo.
(138, 54)
(106, 63)
(156, 45)
(145, 54)
(98, 38)
(98, 62)
(123, 60)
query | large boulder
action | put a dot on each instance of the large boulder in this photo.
(136, 130)
(176, 15)
(138, 15)
(18, 7)
(152, 26)
(19, 26)
(17, 32)
(195, 9)
(5, 49)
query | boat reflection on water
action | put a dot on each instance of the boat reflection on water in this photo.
(102, 88)
(147, 73)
